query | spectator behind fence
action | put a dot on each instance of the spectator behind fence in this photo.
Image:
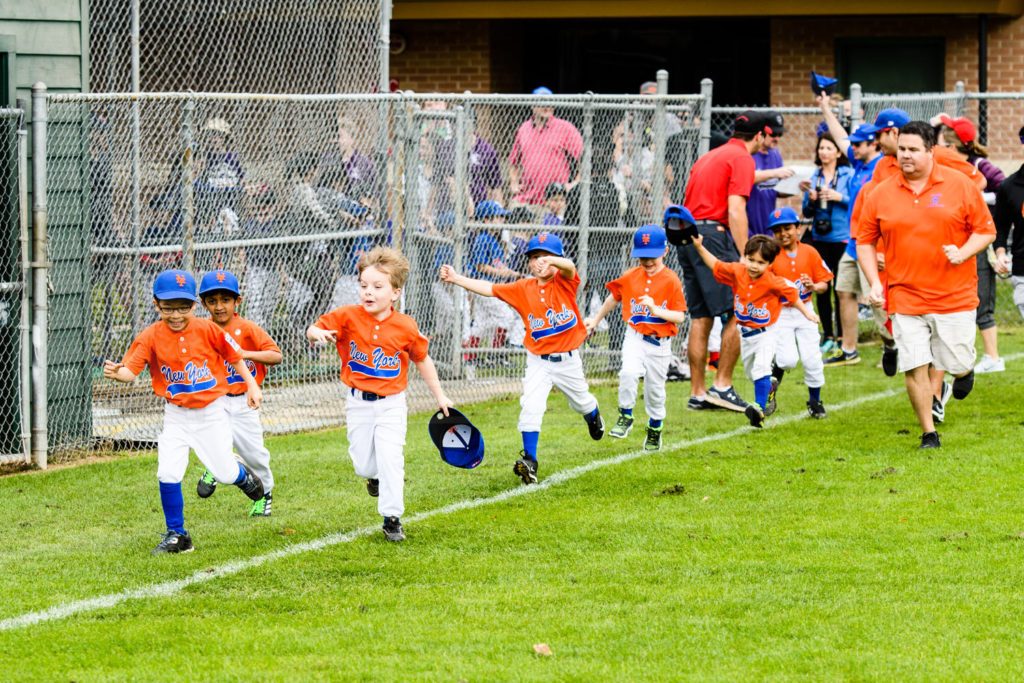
(1009, 219)
(554, 204)
(483, 173)
(219, 176)
(770, 170)
(263, 270)
(546, 150)
(961, 137)
(826, 202)
(356, 174)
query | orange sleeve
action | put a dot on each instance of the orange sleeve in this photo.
(819, 271)
(677, 300)
(262, 339)
(330, 321)
(724, 274)
(979, 218)
(227, 347)
(139, 352)
(615, 287)
(868, 231)
(510, 292)
(417, 347)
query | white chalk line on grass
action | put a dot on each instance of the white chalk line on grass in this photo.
(168, 588)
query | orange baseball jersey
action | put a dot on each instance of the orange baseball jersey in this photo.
(805, 261)
(375, 354)
(664, 287)
(757, 302)
(250, 337)
(187, 367)
(914, 227)
(548, 310)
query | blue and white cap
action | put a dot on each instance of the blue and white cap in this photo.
(783, 215)
(458, 441)
(890, 118)
(546, 241)
(649, 241)
(174, 284)
(217, 280)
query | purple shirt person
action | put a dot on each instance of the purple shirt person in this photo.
(351, 172)
(483, 172)
(768, 171)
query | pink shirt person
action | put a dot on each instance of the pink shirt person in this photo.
(541, 152)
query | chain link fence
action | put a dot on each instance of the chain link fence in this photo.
(284, 46)
(288, 191)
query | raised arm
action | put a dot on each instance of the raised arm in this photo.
(448, 273)
(116, 370)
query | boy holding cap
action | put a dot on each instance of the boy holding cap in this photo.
(656, 307)
(186, 358)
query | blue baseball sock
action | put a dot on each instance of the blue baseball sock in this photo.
(241, 474)
(653, 424)
(762, 387)
(174, 506)
(815, 393)
(628, 412)
(530, 440)
(591, 415)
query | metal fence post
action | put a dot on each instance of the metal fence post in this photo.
(660, 142)
(586, 171)
(459, 204)
(24, 339)
(855, 106)
(706, 92)
(187, 179)
(40, 279)
(960, 97)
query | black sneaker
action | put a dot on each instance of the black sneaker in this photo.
(727, 398)
(373, 487)
(261, 507)
(890, 360)
(816, 409)
(207, 485)
(699, 404)
(173, 542)
(841, 357)
(622, 427)
(251, 485)
(653, 440)
(963, 385)
(595, 425)
(755, 415)
(771, 405)
(393, 529)
(930, 440)
(526, 469)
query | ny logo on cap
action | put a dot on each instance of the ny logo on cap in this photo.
(180, 279)
(646, 238)
(778, 212)
(220, 276)
(542, 238)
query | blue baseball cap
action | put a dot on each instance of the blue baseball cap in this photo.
(542, 91)
(822, 85)
(864, 133)
(783, 215)
(679, 223)
(217, 280)
(174, 284)
(649, 241)
(458, 441)
(488, 209)
(546, 241)
(890, 118)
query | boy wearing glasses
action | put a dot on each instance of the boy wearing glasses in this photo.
(186, 358)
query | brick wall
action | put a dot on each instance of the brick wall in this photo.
(447, 56)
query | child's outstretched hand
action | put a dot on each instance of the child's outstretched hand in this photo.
(320, 336)
(590, 324)
(444, 403)
(698, 240)
(110, 369)
(447, 274)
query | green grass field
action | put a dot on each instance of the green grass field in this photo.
(810, 550)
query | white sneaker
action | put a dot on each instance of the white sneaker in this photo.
(988, 364)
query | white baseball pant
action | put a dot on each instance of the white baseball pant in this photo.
(758, 352)
(376, 437)
(543, 372)
(205, 430)
(247, 437)
(641, 358)
(797, 340)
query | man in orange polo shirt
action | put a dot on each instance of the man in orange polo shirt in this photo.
(932, 221)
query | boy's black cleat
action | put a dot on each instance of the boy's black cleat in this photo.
(252, 486)
(207, 485)
(816, 409)
(173, 542)
(755, 415)
(595, 425)
(393, 529)
(963, 385)
(890, 360)
(930, 440)
(526, 469)
(373, 487)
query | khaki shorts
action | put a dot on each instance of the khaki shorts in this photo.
(944, 339)
(850, 278)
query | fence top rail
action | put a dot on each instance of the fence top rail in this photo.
(779, 110)
(995, 95)
(483, 98)
(10, 113)
(909, 97)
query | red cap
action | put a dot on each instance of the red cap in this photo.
(963, 128)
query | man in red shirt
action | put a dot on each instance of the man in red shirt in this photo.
(932, 221)
(716, 195)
